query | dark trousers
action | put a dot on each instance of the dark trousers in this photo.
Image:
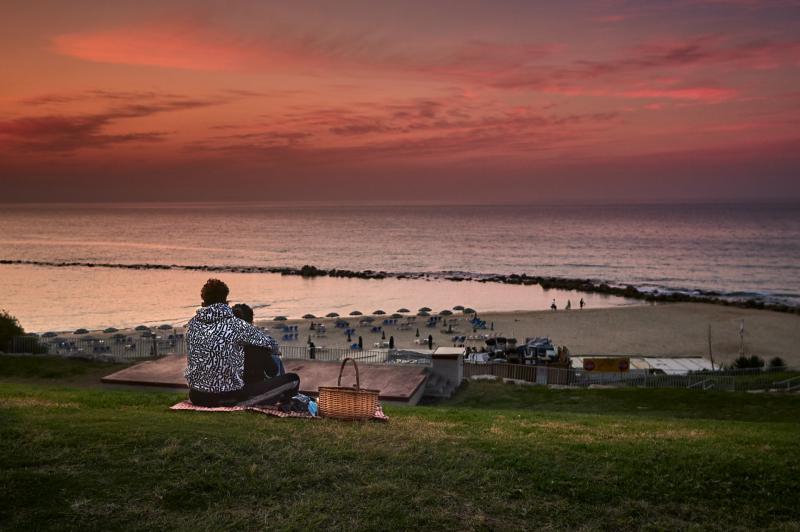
(261, 387)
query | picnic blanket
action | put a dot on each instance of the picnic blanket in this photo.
(268, 410)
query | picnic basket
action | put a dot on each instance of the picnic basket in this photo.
(347, 403)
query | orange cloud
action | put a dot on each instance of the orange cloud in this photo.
(163, 46)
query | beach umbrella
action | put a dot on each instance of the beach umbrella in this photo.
(331, 315)
(425, 309)
(423, 313)
(81, 331)
(142, 328)
(110, 330)
(165, 327)
(379, 312)
(89, 338)
(118, 336)
(446, 313)
(396, 315)
(279, 318)
(309, 317)
(49, 335)
(368, 319)
(469, 311)
(403, 310)
(146, 334)
(458, 307)
(417, 333)
(356, 313)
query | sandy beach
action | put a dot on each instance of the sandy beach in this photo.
(671, 330)
(679, 329)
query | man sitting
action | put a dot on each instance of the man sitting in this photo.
(257, 359)
(216, 361)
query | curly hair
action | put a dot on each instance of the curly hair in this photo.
(214, 291)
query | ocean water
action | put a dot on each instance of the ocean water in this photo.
(741, 250)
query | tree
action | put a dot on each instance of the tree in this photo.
(9, 328)
(751, 362)
(777, 362)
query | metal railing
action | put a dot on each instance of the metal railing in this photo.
(131, 348)
(782, 378)
(122, 349)
(302, 352)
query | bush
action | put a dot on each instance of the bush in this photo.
(751, 362)
(9, 328)
(777, 362)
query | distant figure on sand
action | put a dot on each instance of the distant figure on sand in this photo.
(553, 305)
(216, 357)
(582, 304)
(569, 304)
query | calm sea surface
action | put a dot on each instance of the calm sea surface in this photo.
(741, 250)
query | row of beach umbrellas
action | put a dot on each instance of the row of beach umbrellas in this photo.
(423, 311)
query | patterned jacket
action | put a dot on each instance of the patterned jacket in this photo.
(216, 359)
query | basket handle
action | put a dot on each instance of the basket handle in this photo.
(358, 380)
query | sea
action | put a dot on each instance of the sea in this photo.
(739, 250)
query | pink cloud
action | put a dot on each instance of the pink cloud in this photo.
(164, 46)
(697, 94)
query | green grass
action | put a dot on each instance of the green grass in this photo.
(64, 370)
(495, 457)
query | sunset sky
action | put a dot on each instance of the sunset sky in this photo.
(424, 101)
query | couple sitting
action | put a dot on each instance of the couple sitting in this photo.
(231, 362)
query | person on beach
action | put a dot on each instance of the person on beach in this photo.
(582, 303)
(253, 352)
(216, 357)
(569, 304)
(553, 305)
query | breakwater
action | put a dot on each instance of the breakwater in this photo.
(546, 282)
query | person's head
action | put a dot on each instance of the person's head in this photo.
(214, 291)
(243, 312)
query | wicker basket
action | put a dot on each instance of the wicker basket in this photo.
(347, 403)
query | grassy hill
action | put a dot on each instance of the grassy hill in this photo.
(494, 457)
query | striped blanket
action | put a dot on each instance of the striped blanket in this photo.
(268, 410)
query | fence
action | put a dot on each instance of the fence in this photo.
(131, 348)
(122, 349)
(783, 379)
(370, 356)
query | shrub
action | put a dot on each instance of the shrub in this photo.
(9, 328)
(777, 362)
(744, 362)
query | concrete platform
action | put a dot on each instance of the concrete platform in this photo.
(401, 384)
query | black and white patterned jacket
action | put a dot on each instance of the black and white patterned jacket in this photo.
(214, 339)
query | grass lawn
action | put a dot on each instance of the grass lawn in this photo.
(494, 457)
